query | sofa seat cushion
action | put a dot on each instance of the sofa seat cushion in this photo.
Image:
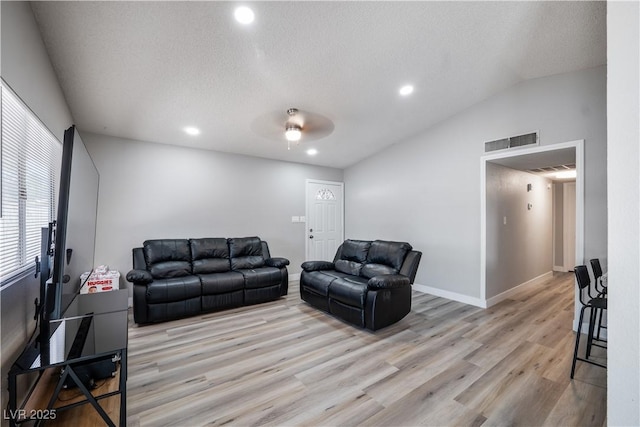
(351, 291)
(261, 277)
(210, 255)
(173, 289)
(220, 283)
(373, 270)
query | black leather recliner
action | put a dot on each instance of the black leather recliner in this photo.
(175, 278)
(368, 283)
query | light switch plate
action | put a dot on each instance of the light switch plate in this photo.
(295, 219)
(303, 219)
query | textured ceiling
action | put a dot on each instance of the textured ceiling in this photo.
(145, 70)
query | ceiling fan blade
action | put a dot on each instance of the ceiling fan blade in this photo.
(316, 126)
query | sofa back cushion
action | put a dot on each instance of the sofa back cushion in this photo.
(351, 256)
(210, 255)
(355, 250)
(166, 258)
(245, 253)
(385, 258)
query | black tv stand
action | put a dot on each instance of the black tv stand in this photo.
(84, 350)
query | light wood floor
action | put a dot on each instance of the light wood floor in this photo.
(445, 364)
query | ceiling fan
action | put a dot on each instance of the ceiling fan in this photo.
(292, 125)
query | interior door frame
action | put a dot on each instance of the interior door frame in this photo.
(306, 209)
(579, 147)
(565, 245)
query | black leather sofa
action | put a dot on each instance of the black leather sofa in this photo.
(368, 283)
(175, 278)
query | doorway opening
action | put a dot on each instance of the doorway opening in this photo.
(528, 159)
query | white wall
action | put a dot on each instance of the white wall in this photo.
(150, 191)
(426, 190)
(27, 70)
(521, 249)
(623, 356)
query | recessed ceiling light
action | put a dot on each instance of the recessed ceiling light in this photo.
(406, 90)
(192, 130)
(312, 151)
(244, 15)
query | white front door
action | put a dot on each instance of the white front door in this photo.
(325, 219)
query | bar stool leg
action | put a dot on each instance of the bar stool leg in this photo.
(575, 351)
(592, 323)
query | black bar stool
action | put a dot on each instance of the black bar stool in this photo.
(596, 304)
(602, 292)
(597, 275)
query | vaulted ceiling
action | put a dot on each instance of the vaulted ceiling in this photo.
(146, 70)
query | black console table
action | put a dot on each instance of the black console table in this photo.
(87, 357)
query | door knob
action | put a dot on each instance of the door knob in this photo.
(311, 236)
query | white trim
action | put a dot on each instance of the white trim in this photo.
(306, 205)
(559, 268)
(294, 277)
(566, 229)
(466, 299)
(579, 147)
(509, 292)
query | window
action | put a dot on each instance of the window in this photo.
(29, 167)
(325, 194)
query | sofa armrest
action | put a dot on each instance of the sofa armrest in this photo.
(139, 277)
(276, 262)
(388, 281)
(317, 265)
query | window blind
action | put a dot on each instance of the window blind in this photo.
(30, 164)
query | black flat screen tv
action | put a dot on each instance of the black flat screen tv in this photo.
(71, 239)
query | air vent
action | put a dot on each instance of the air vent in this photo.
(512, 142)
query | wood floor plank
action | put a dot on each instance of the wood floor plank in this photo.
(445, 363)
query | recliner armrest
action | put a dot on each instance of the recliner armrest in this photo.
(139, 277)
(317, 265)
(388, 281)
(276, 262)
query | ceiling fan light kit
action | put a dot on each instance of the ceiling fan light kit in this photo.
(293, 133)
(294, 125)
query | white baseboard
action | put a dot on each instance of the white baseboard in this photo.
(559, 268)
(478, 302)
(466, 299)
(508, 293)
(294, 277)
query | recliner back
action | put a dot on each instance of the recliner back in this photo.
(373, 258)
(385, 258)
(351, 256)
(210, 255)
(246, 253)
(166, 258)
